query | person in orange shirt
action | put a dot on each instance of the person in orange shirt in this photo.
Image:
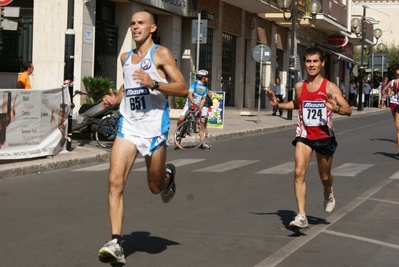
(23, 79)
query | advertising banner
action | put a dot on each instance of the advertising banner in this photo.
(216, 112)
(33, 123)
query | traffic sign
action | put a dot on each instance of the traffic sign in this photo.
(5, 2)
(261, 53)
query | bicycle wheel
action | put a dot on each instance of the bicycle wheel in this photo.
(185, 136)
(106, 132)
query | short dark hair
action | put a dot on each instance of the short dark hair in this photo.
(313, 51)
(26, 65)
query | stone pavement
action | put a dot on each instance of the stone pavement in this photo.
(87, 151)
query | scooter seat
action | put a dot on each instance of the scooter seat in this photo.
(90, 110)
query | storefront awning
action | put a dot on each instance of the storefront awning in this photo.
(339, 55)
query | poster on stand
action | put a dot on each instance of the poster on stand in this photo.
(33, 123)
(216, 111)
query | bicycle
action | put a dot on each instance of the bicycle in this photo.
(107, 129)
(190, 134)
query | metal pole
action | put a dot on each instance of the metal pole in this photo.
(260, 80)
(361, 72)
(198, 41)
(69, 68)
(292, 59)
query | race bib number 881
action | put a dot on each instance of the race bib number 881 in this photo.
(314, 113)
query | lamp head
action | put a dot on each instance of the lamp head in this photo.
(314, 7)
(377, 33)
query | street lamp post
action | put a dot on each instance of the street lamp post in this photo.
(359, 27)
(290, 6)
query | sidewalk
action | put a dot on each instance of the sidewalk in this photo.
(87, 151)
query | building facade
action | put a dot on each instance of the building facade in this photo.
(234, 28)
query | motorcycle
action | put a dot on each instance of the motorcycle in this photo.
(89, 116)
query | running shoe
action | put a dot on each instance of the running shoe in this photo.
(206, 146)
(397, 154)
(112, 253)
(329, 202)
(168, 193)
(300, 221)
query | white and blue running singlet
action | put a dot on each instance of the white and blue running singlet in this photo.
(145, 112)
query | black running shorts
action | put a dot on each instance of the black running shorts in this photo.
(326, 146)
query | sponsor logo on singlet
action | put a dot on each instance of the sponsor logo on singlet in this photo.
(146, 64)
(136, 91)
(313, 104)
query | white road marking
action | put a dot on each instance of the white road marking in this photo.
(297, 243)
(395, 175)
(229, 165)
(362, 239)
(284, 168)
(101, 167)
(350, 169)
(177, 163)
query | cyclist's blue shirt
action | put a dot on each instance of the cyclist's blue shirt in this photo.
(199, 90)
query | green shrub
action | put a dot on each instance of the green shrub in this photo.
(179, 101)
(97, 87)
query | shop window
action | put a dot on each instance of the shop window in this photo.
(16, 46)
(229, 68)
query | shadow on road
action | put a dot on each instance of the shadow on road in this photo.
(286, 216)
(144, 242)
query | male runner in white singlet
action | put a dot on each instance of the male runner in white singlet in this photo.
(143, 126)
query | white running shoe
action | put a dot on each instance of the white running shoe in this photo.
(329, 202)
(300, 221)
(168, 193)
(112, 253)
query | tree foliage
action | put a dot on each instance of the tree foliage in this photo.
(393, 62)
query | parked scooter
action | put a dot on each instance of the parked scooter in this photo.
(89, 116)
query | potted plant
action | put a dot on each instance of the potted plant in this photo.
(97, 87)
(178, 102)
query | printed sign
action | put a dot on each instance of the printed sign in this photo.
(337, 40)
(5, 2)
(33, 123)
(216, 111)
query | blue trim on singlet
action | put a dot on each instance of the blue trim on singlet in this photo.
(128, 56)
(120, 127)
(152, 52)
(165, 123)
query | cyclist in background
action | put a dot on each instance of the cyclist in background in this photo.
(196, 95)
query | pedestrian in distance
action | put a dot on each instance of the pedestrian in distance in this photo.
(383, 99)
(366, 90)
(23, 81)
(342, 87)
(316, 100)
(352, 93)
(204, 113)
(279, 91)
(143, 126)
(392, 88)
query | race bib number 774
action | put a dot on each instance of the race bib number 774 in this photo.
(314, 113)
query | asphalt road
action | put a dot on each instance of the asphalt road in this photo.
(232, 207)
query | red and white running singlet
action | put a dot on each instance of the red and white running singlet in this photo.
(314, 118)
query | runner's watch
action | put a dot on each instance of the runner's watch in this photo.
(155, 84)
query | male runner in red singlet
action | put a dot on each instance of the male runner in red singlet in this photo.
(316, 100)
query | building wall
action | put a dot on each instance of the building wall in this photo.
(49, 26)
(386, 13)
